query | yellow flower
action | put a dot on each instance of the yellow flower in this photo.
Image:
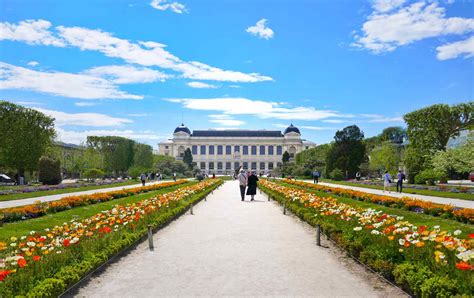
(420, 244)
(3, 246)
(438, 256)
(391, 238)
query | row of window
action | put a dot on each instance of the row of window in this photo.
(245, 165)
(245, 150)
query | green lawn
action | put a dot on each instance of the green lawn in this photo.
(20, 228)
(434, 193)
(37, 194)
(412, 217)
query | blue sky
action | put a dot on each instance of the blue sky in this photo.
(136, 68)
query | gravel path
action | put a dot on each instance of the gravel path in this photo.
(234, 248)
(22, 202)
(452, 201)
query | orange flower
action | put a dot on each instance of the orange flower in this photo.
(420, 244)
(391, 238)
(36, 258)
(66, 242)
(4, 274)
(21, 262)
(464, 266)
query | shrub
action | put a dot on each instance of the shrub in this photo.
(337, 175)
(429, 176)
(136, 171)
(49, 171)
(93, 173)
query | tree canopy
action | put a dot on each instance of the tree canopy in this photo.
(117, 152)
(393, 134)
(143, 156)
(188, 158)
(25, 135)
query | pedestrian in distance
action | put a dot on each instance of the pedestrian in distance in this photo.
(387, 181)
(252, 185)
(143, 178)
(400, 178)
(174, 177)
(316, 176)
(242, 183)
(358, 176)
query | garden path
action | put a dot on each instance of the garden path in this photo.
(234, 248)
(452, 201)
(22, 202)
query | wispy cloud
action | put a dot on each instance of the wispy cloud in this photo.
(144, 53)
(166, 5)
(226, 120)
(261, 30)
(60, 83)
(78, 137)
(393, 24)
(33, 63)
(85, 104)
(84, 119)
(127, 74)
(201, 85)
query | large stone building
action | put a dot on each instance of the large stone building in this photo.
(224, 151)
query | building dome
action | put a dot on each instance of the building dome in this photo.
(291, 128)
(182, 128)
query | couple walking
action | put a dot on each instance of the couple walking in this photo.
(247, 181)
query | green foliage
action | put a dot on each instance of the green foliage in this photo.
(136, 171)
(337, 175)
(430, 176)
(49, 171)
(167, 165)
(314, 158)
(188, 158)
(117, 152)
(143, 156)
(348, 152)
(25, 135)
(285, 157)
(459, 159)
(384, 158)
(93, 173)
(415, 161)
(433, 126)
(394, 134)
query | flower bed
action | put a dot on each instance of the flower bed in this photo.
(29, 189)
(465, 215)
(66, 203)
(440, 187)
(426, 262)
(45, 263)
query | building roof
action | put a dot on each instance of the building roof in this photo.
(291, 128)
(182, 128)
(237, 133)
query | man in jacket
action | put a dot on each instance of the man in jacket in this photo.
(242, 183)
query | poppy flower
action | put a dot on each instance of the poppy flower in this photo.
(464, 266)
(36, 258)
(66, 242)
(471, 236)
(21, 262)
(4, 274)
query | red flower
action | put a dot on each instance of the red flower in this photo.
(66, 242)
(471, 236)
(4, 274)
(464, 266)
(21, 262)
(36, 258)
(421, 229)
(107, 229)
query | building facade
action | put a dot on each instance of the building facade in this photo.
(224, 151)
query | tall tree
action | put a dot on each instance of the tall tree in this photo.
(188, 158)
(117, 152)
(143, 156)
(433, 126)
(25, 135)
(394, 134)
(314, 158)
(384, 158)
(348, 151)
(285, 158)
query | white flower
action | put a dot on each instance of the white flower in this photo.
(357, 228)
(401, 241)
(375, 232)
(457, 232)
(13, 244)
(31, 243)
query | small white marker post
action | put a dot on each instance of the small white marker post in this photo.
(318, 235)
(150, 238)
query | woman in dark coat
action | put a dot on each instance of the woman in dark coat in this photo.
(252, 185)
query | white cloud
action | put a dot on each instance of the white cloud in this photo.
(455, 49)
(127, 74)
(85, 104)
(261, 30)
(83, 119)
(234, 86)
(225, 120)
(200, 85)
(333, 121)
(33, 63)
(59, 83)
(386, 31)
(33, 32)
(374, 118)
(78, 137)
(307, 127)
(259, 108)
(165, 5)
(386, 5)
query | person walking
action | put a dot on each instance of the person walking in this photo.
(252, 185)
(400, 178)
(174, 177)
(387, 180)
(316, 176)
(358, 176)
(143, 178)
(242, 183)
